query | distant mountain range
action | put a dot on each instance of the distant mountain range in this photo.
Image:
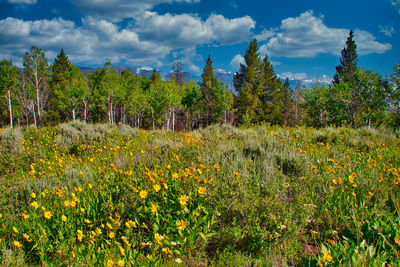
(222, 75)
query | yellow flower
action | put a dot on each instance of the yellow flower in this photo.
(371, 194)
(47, 215)
(110, 263)
(181, 225)
(201, 190)
(67, 203)
(43, 194)
(145, 226)
(121, 251)
(354, 194)
(158, 238)
(143, 194)
(33, 195)
(25, 216)
(154, 208)
(73, 204)
(90, 186)
(327, 257)
(80, 235)
(15, 230)
(183, 200)
(157, 187)
(111, 235)
(63, 218)
(87, 221)
(82, 210)
(121, 263)
(17, 244)
(236, 174)
(35, 205)
(108, 225)
(98, 231)
(130, 224)
(397, 241)
(165, 186)
(27, 237)
(175, 175)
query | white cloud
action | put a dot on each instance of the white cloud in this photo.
(236, 61)
(307, 36)
(93, 42)
(387, 30)
(396, 4)
(264, 35)
(119, 9)
(28, 2)
(184, 30)
(293, 76)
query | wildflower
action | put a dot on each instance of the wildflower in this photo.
(175, 175)
(201, 190)
(33, 195)
(111, 235)
(178, 260)
(90, 186)
(25, 216)
(143, 194)
(73, 254)
(121, 263)
(43, 194)
(130, 224)
(354, 194)
(87, 221)
(80, 235)
(26, 237)
(15, 230)
(98, 231)
(303, 178)
(67, 203)
(17, 244)
(351, 177)
(153, 208)
(168, 166)
(181, 225)
(63, 218)
(236, 174)
(35, 205)
(327, 257)
(82, 210)
(165, 186)
(371, 194)
(145, 226)
(47, 215)
(110, 263)
(183, 200)
(108, 225)
(121, 251)
(156, 187)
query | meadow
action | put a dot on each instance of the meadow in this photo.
(99, 195)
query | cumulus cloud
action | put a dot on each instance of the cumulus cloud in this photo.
(119, 9)
(264, 35)
(27, 2)
(93, 42)
(236, 61)
(387, 30)
(396, 4)
(307, 36)
(184, 30)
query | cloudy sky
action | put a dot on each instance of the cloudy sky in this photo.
(303, 39)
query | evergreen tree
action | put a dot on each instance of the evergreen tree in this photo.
(60, 66)
(249, 86)
(348, 63)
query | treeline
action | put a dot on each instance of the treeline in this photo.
(44, 94)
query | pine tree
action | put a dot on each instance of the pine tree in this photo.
(60, 66)
(248, 84)
(348, 63)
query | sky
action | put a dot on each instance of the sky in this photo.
(302, 39)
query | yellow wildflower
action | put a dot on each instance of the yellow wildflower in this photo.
(25, 216)
(131, 224)
(33, 195)
(98, 231)
(67, 203)
(183, 200)
(27, 237)
(143, 194)
(35, 205)
(111, 235)
(47, 215)
(80, 235)
(371, 194)
(156, 187)
(87, 221)
(181, 225)
(327, 257)
(17, 244)
(108, 225)
(110, 263)
(201, 190)
(154, 208)
(121, 263)
(43, 194)
(397, 241)
(121, 251)
(15, 230)
(175, 175)
(63, 218)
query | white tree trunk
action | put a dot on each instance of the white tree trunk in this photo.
(73, 114)
(10, 108)
(37, 95)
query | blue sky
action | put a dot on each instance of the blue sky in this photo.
(303, 39)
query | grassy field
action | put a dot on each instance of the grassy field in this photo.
(100, 195)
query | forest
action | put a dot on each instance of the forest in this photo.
(49, 94)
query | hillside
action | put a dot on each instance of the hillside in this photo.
(84, 194)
